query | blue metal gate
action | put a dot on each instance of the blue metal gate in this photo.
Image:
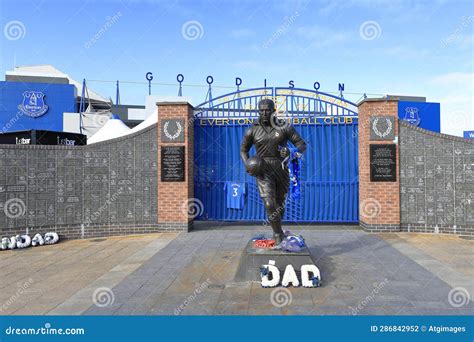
(329, 175)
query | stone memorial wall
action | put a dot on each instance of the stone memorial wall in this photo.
(107, 188)
(436, 182)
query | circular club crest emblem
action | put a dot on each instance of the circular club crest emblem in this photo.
(177, 133)
(412, 116)
(33, 104)
(376, 130)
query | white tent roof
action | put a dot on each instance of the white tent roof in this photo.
(93, 121)
(150, 120)
(113, 128)
(47, 70)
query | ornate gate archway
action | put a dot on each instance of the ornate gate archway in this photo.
(329, 175)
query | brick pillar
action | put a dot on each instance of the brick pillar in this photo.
(175, 131)
(379, 202)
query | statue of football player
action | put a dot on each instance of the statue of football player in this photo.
(270, 136)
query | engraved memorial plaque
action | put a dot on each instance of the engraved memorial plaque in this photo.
(172, 163)
(383, 163)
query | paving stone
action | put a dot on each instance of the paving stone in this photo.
(231, 308)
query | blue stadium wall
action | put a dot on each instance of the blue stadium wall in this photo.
(421, 114)
(59, 98)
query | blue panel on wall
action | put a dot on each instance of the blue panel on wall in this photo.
(25, 106)
(422, 114)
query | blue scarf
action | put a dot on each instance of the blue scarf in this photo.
(294, 167)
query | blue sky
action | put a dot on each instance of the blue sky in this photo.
(422, 48)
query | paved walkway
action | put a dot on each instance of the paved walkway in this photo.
(192, 274)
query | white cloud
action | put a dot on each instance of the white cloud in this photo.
(248, 64)
(322, 36)
(456, 98)
(242, 33)
(396, 10)
(459, 36)
(405, 52)
(461, 79)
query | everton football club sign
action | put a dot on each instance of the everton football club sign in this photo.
(33, 104)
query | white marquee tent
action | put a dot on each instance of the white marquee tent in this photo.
(113, 128)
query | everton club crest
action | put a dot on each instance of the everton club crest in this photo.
(33, 104)
(411, 116)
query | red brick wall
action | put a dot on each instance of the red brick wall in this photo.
(174, 197)
(379, 202)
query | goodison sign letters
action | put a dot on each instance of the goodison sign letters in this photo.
(238, 81)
